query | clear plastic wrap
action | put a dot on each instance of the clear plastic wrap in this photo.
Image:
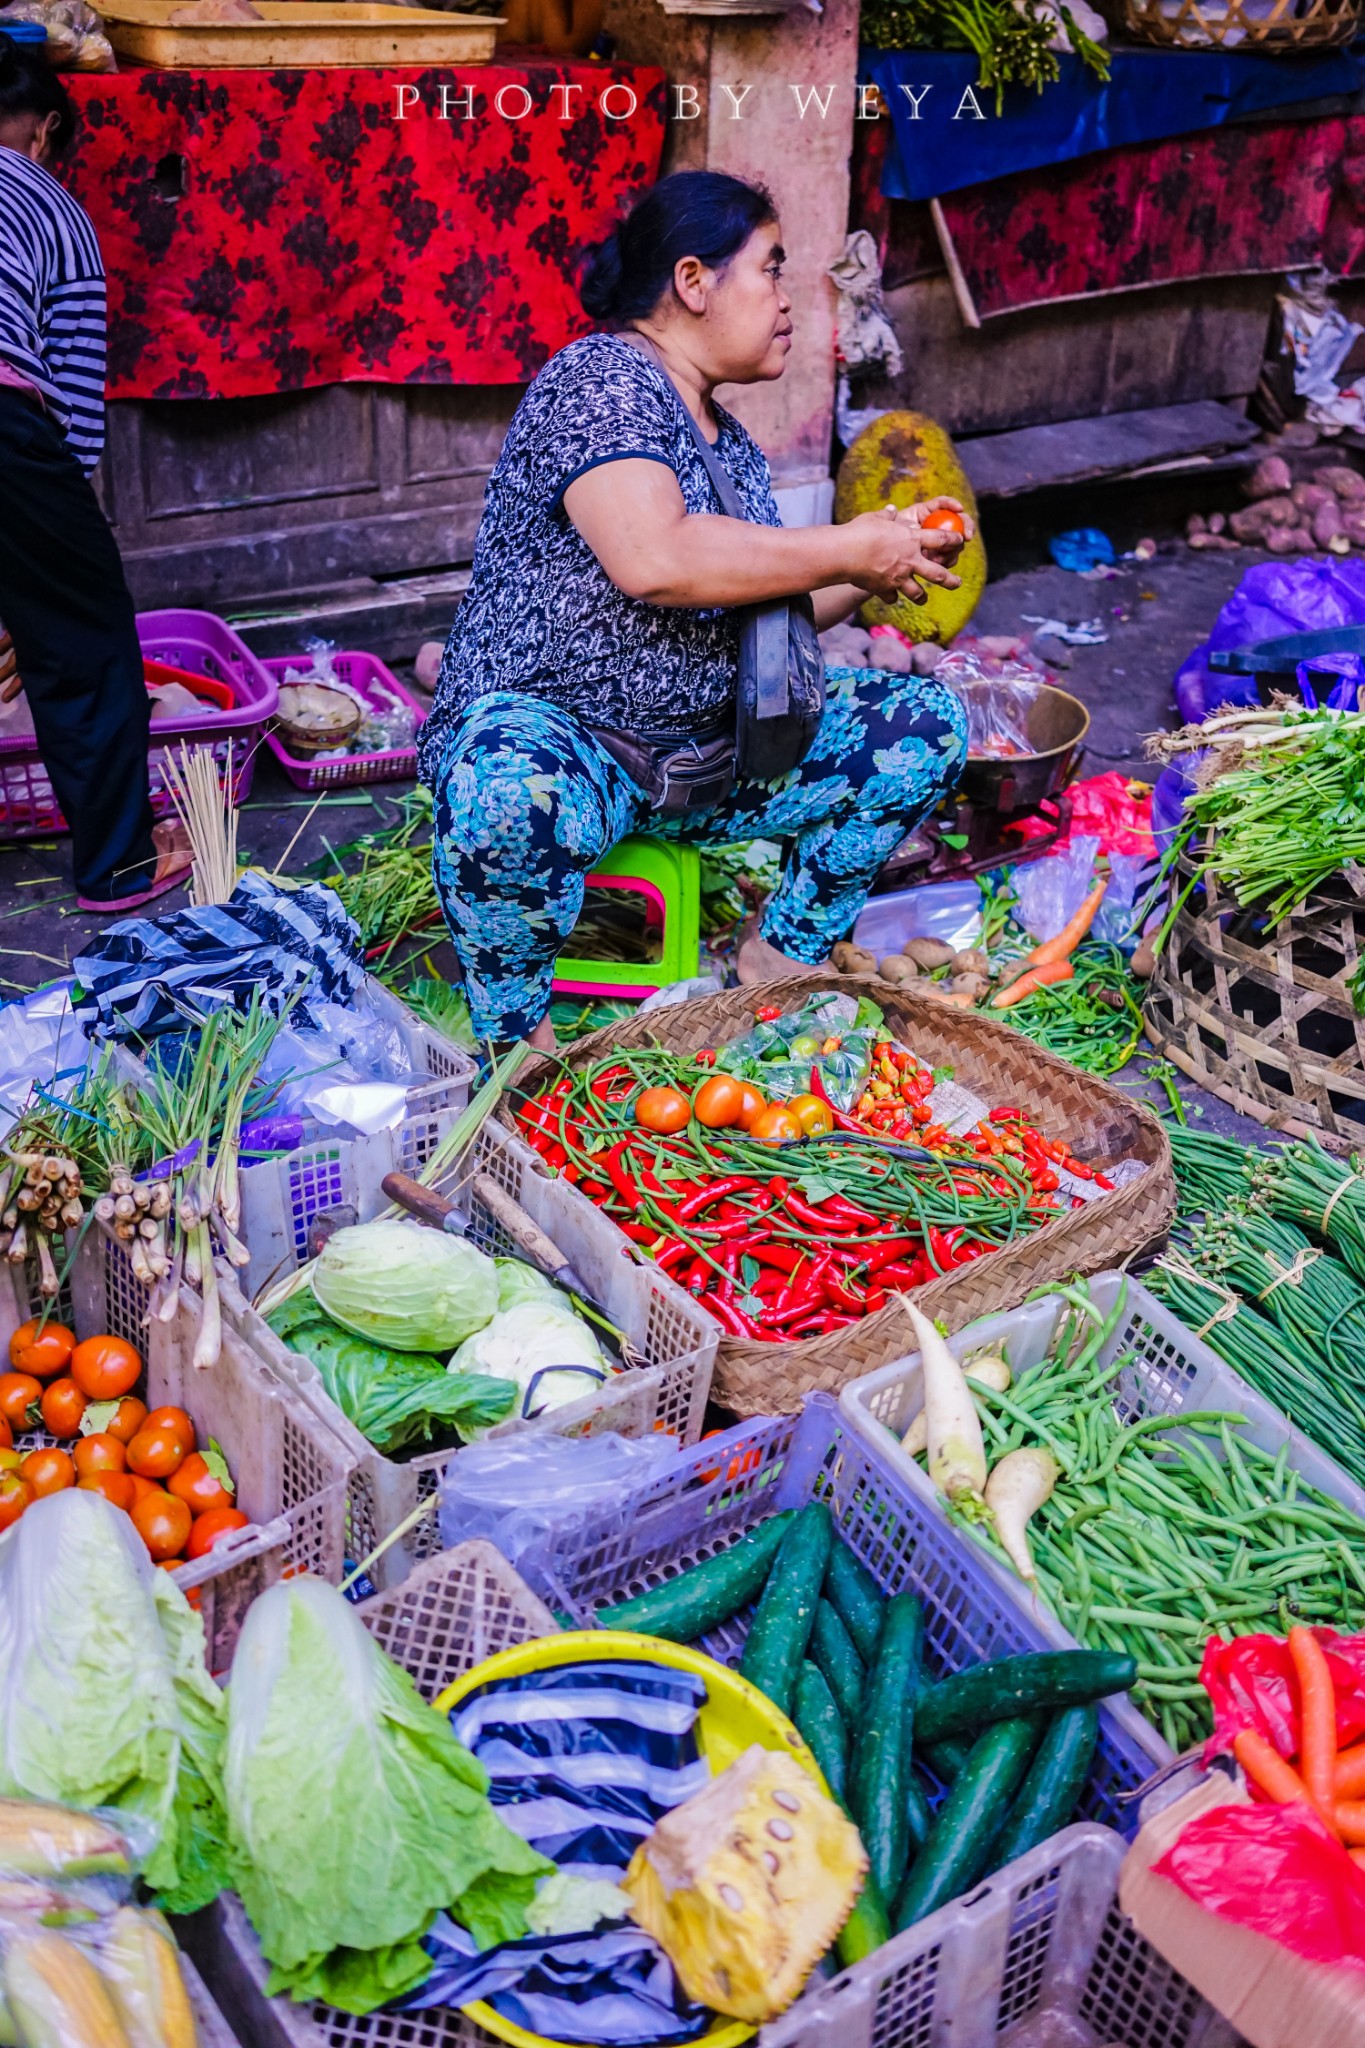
(518, 1491)
(75, 33)
(997, 700)
(825, 1033)
(1050, 891)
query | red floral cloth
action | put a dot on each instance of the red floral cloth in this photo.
(319, 240)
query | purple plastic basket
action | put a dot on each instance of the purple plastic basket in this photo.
(200, 643)
(362, 672)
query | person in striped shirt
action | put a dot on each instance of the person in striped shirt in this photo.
(69, 633)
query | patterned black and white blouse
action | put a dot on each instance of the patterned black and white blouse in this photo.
(541, 615)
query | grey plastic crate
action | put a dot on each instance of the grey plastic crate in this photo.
(1171, 1370)
(1040, 1956)
(716, 1493)
(676, 1339)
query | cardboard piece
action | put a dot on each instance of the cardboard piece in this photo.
(1273, 1997)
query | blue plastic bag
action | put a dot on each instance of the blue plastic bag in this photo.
(1306, 595)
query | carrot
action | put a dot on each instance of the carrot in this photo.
(1265, 1767)
(1348, 1778)
(1348, 1817)
(1034, 978)
(1357, 1857)
(1069, 937)
(1317, 1717)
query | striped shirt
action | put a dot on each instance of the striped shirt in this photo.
(52, 305)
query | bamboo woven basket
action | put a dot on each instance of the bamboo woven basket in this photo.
(1263, 1017)
(1275, 26)
(1098, 1121)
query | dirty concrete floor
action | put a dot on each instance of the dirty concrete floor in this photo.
(1153, 612)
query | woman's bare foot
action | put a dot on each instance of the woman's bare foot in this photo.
(543, 1037)
(758, 961)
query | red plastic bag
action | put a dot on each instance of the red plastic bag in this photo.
(1106, 807)
(1251, 1684)
(1276, 1870)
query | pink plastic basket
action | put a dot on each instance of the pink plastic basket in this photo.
(362, 672)
(195, 641)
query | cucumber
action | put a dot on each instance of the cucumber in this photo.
(1047, 1798)
(964, 1831)
(853, 1592)
(831, 1646)
(867, 1926)
(821, 1727)
(781, 1628)
(882, 1763)
(705, 1596)
(919, 1815)
(946, 1758)
(1017, 1685)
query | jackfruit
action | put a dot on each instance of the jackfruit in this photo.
(746, 1885)
(901, 459)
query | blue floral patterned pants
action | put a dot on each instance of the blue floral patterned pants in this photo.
(527, 803)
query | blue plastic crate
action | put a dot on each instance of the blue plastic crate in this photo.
(727, 1484)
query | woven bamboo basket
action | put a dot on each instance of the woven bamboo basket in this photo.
(1099, 1122)
(1275, 26)
(1262, 1015)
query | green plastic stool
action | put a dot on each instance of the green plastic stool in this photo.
(669, 877)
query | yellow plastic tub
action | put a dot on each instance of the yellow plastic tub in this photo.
(736, 1715)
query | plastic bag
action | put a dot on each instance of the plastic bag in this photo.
(1129, 875)
(764, 1054)
(1050, 891)
(521, 1492)
(75, 38)
(1251, 1684)
(1306, 595)
(997, 703)
(950, 911)
(1277, 1871)
(41, 1044)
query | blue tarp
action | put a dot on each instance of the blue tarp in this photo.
(1150, 94)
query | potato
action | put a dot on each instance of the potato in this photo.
(972, 985)
(971, 960)
(851, 959)
(1327, 522)
(895, 967)
(1308, 497)
(1345, 483)
(1258, 521)
(1143, 962)
(1353, 519)
(1270, 477)
(929, 953)
(1282, 540)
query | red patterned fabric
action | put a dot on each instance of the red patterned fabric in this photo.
(319, 240)
(1226, 202)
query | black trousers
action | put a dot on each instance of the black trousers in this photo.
(66, 605)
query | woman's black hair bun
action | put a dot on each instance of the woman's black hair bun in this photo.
(601, 283)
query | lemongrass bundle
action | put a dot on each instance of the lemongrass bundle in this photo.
(205, 808)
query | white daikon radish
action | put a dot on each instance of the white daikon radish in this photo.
(1015, 1491)
(957, 1454)
(988, 1369)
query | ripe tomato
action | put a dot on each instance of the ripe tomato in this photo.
(774, 1125)
(18, 1392)
(210, 1529)
(663, 1110)
(201, 1492)
(44, 1352)
(142, 1487)
(751, 1101)
(127, 1419)
(176, 1419)
(6, 1435)
(163, 1524)
(942, 520)
(814, 1116)
(15, 1495)
(105, 1367)
(62, 1407)
(47, 1472)
(98, 1452)
(155, 1452)
(718, 1102)
(117, 1487)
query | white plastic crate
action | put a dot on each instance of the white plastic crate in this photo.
(1171, 1370)
(290, 1472)
(676, 1339)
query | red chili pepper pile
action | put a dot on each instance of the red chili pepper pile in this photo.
(791, 1241)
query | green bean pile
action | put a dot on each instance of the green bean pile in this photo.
(1329, 1409)
(1092, 1021)
(1211, 1173)
(1164, 1531)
